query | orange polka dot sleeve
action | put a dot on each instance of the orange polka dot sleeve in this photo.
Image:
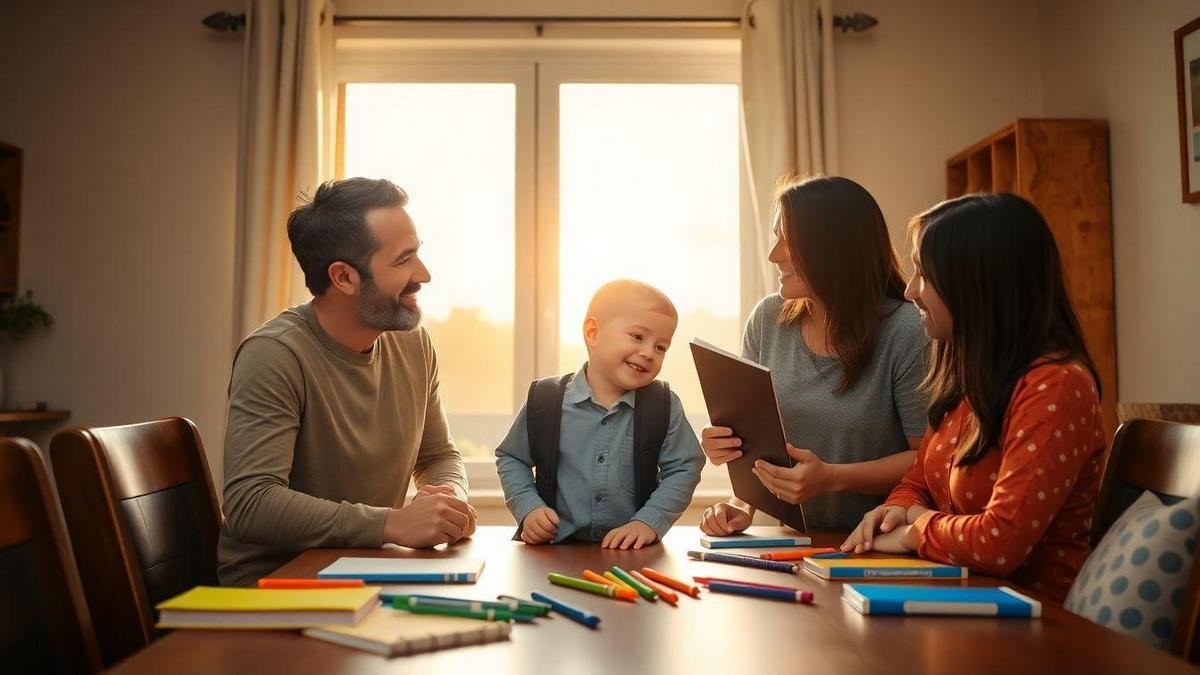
(1025, 506)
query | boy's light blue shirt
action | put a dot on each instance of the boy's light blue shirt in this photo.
(595, 467)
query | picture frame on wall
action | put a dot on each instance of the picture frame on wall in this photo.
(1187, 79)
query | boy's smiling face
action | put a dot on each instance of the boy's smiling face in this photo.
(626, 348)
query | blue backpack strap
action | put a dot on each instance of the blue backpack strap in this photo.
(543, 417)
(651, 414)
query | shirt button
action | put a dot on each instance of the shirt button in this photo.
(599, 498)
(600, 459)
(603, 422)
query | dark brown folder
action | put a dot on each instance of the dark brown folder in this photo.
(739, 395)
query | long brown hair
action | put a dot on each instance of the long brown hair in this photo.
(837, 237)
(993, 261)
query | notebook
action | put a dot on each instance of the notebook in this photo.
(752, 540)
(395, 633)
(406, 570)
(895, 599)
(881, 568)
(212, 607)
(739, 394)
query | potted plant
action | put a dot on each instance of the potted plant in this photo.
(20, 315)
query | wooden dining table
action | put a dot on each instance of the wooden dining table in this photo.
(714, 633)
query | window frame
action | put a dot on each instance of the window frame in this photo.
(536, 68)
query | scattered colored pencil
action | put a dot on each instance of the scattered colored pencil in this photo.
(616, 581)
(642, 589)
(705, 581)
(745, 561)
(681, 586)
(663, 592)
(788, 595)
(593, 587)
(528, 606)
(514, 606)
(291, 584)
(798, 554)
(420, 606)
(586, 618)
(592, 576)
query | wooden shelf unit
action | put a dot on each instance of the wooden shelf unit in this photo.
(10, 217)
(1061, 165)
(27, 416)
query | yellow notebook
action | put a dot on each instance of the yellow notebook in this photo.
(211, 607)
(881, 568)
(392, 632)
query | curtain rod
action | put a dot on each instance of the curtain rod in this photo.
(227, 21)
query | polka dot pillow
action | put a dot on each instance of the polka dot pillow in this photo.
(1135, 580)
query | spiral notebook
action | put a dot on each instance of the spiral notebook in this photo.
(392, 632)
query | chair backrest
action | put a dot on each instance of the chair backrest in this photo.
(143, 519)
(44, 623)
(1163, 457)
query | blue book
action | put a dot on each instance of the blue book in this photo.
(405, 570)
(892, 599)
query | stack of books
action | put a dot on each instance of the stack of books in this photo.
(350, 616)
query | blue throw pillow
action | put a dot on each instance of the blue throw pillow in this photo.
(1135, 580)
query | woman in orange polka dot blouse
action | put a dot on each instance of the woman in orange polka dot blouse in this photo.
(1006, 479)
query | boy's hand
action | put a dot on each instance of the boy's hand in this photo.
(632, 535)
(540, 526)
(723, 519)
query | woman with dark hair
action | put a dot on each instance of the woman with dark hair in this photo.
(1006, 480)
(846, 354)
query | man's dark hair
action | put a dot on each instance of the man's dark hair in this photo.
(332, 227)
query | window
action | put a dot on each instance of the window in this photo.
(451, 147)
(648, 189)
(535, 176)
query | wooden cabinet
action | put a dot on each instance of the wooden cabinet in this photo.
(1062, 167)
(10, 217)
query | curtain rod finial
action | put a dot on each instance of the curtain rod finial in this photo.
(857, 22)
(224, 21)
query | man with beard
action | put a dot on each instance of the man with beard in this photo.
(334, 405)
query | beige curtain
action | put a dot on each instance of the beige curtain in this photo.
(788, 115)
(284, 147)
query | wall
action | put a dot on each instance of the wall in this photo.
(128, 115)
(932, 78)
(127, 112)
(1116, 60)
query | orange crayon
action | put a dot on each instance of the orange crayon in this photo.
(592, 576)
(616, 581)
(665, 580)
(278, 584)
(795, 554)
(663, 592)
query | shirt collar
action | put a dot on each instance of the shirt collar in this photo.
(578, 390)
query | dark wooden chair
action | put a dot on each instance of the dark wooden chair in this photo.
(44, 624)
(1163, 457)
(143, 519)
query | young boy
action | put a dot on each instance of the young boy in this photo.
(616, 460)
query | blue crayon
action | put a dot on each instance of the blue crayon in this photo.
(585, 618)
